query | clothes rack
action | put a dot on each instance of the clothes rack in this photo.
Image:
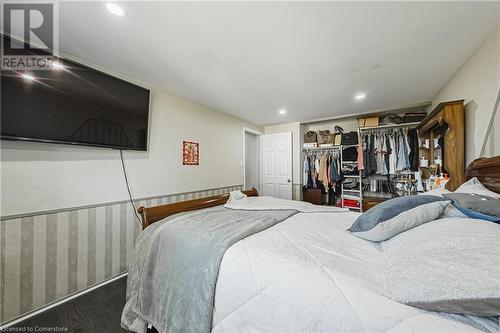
(389, 150)
(349, 197)
(321, 165)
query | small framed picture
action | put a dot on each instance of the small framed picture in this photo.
(190, 153)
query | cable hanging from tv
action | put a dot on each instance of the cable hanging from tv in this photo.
(128, 189)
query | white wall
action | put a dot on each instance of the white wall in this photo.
(348, 124)
(478, 82)
(252, 161)
(37, 177)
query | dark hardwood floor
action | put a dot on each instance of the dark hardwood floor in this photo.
(97, 311)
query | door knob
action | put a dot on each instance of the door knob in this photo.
(288, 180)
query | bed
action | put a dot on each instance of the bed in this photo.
(301, 273)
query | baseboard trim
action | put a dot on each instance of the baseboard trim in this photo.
(59, 302)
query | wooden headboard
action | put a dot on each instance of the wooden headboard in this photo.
(487, 170)
(150, 215)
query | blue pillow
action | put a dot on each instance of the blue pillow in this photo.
(396, 215)
(476, 215)
(476, 206)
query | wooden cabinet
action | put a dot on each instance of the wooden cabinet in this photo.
(444, 131)
(369, 202)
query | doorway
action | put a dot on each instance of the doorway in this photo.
(276, 171)
(251, 161)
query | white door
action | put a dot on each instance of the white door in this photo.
(276, 165)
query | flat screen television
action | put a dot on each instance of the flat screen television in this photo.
(73, 104)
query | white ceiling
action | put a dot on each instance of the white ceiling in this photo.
(252, 59)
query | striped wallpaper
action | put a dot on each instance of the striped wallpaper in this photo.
(47, 256)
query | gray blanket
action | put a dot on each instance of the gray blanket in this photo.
(173, 272)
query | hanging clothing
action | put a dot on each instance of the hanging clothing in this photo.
(312, 172)
(361, 163)
(413, 143)
(388, 151)
(305, 174)
(323, 170)
(335, 168)
(373, 154)
(403, 153)
(378, 153)
(366, 161)
(316, 167)
(384, 158)
(392, 154)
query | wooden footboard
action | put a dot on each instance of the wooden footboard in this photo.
(150, 215)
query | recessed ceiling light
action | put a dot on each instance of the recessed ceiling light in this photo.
(57, 65)
(115, 9)
(360, 96)
(28, 77)
(282, 111)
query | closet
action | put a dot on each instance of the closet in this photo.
(321, 175)
(400, 155)
(331, 176)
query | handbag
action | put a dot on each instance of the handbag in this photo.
(350, 138)
(390, 118)
(311, 137)
(337, 141)
(325, 137)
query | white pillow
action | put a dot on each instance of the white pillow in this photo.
(448, 265)
(474, 186)
(236, 195)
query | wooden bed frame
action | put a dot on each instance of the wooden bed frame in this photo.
(487, 170)
(150, 215)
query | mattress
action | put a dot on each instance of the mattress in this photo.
(308, 274)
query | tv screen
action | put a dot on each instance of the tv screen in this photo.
(73, 104)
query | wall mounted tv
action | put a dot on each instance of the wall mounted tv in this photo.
(73, 104)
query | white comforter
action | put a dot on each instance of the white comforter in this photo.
(308, 274)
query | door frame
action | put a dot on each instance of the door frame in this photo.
(257, 134)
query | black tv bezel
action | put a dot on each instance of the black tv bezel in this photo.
(76, 143)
